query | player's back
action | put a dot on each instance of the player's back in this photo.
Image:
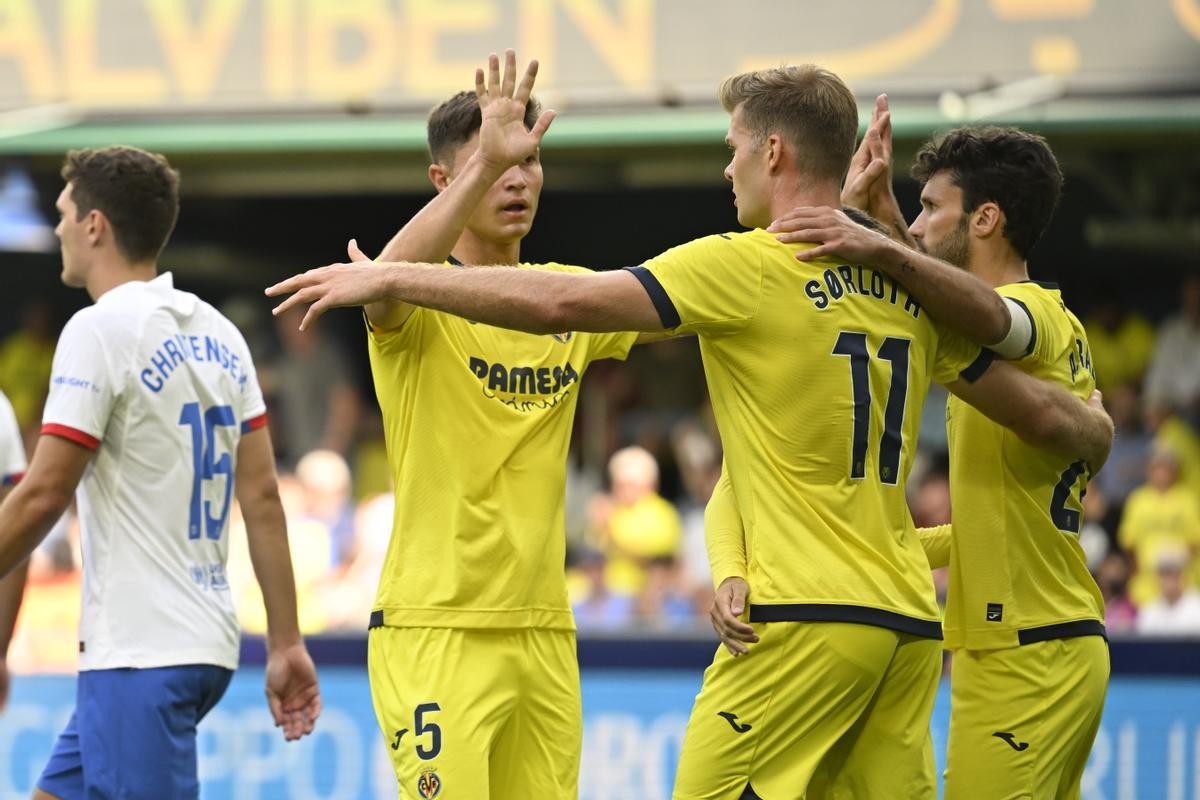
(162, 387)
(817, 372)
(1017, 570)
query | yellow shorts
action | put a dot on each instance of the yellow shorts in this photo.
(1022, 720)
(835, 709)
(473, 714)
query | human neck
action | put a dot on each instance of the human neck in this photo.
(474, 250)
(999, 269)
(110, 273)
(802, 191)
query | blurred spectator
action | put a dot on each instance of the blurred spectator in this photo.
(1093, 538)
(1121, 344)
(699, 460)
(665, 601)
(349, 597)
(635, 524)
(1173, 379)
(1176, 610)
(313, 390)
(1126, 466)
(594, 605)
(930, 506)
(325, 495)
(25, 361)
(1112, 576)
(1162, 513)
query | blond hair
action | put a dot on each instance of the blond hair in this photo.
(809, 106)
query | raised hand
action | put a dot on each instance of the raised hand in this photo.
(503, 137)
(868, 183)
(292, 693)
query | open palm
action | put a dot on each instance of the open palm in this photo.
(503, 137)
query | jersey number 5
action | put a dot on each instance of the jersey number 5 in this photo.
(895, 350)
(206, 466)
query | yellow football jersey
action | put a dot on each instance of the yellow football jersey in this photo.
(817, 373)
(477, 421)
(1017, 573)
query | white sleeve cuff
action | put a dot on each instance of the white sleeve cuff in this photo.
(1022, 334)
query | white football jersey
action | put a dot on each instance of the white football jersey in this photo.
(162, 387)
(12, 451)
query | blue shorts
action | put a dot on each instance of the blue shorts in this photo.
(133, 733)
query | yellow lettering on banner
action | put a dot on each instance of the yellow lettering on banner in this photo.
(1041, 9)
(333, 79)
(627, 46)
(885, 55)
(535, 38)
(22, 40)
(88, 83)
(1188, 13)
(279, 39)
(196, 56)
(425, 22)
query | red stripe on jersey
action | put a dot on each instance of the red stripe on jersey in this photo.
(254, 423)
(71, 435)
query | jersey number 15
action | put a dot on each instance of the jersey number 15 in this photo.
(207, 466)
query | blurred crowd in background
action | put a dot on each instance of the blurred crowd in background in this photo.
(644, 460)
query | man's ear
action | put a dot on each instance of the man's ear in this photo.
(774, 147)
(987, 220)
(439, 176)
(95, 226)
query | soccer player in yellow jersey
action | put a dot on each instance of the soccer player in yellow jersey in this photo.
(471, 651)
(817, 372)
(1024, 617)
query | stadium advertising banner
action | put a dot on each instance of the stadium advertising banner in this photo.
(1148, 746)
(149, 55)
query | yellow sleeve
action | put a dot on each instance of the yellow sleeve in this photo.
(958, 358)
(712, 286)
(723, 533)
(935, 542)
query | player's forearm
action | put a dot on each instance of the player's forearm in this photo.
(535, 301)
(12, 590)
(431, 233)
(724, 534)
(952, 296)
(266, 534)
(26, 516)
(886, 209)
(935, 542)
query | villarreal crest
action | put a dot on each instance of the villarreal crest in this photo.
(429, 785)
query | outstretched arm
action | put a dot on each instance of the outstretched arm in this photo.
(503, 142)
(1043, 414)
(537, 301)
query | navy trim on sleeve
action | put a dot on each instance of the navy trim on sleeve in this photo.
(1032, 325)
(376, 619)
(1062, 630)
(830, 612)
(658, 295)
(454, 261)
(1044, 284)
(979, 366)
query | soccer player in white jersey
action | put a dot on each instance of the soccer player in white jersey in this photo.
(153, 420)
(12, 586)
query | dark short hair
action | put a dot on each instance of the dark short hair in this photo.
(1012, 168)
(453, 122)
(137, 191)
(860, 217)
(812, 107)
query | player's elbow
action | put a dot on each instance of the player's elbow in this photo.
(45, 501)
(562, 309)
